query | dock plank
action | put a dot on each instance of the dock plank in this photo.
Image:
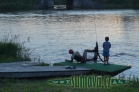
(29, 69)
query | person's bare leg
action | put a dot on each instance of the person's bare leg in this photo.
(104, 60)
(107, 60)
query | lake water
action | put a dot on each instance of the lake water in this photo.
(50, 34)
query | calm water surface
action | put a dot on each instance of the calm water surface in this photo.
(49, 34)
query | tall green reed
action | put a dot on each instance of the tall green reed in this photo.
(11, 49)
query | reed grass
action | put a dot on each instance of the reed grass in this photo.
(11, 50)
(42, 64)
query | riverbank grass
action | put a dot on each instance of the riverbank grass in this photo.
(11, 50)
(43, 85)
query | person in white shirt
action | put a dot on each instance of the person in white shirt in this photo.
(81, 58)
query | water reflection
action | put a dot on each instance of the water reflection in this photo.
(52, 33)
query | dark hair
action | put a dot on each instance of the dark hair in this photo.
(107, 39)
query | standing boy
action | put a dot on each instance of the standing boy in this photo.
(106, 47)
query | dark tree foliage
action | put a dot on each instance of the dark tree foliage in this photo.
(60, 2)
(119, 4)
(33, 4)
(18, 4)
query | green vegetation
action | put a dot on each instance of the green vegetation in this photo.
(46, 64)
(42, 85)
(57, 64)
(15, 5)
(42, 64)
(18, 5)
(119, 4)
(11, 50)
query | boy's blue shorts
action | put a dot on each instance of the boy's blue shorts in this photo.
(106, 53)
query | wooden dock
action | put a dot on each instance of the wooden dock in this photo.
(100, 68)
(29, 69)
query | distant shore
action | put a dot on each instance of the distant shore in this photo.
(119, 4)
(21, 5)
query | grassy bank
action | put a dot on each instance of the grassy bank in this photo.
(12, 50)
(42, 85)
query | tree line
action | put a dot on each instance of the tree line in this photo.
(10, 5)
(119, 4)
(18, 4)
